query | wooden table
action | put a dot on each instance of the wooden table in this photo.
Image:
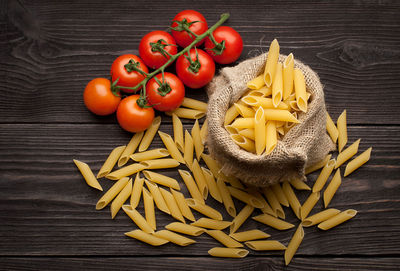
(49, 50)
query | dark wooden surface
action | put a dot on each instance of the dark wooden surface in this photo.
(49, 50)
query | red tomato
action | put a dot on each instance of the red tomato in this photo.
(233, 45)
(133, 118)
(192, 20)
(126, 76)
(168, 96)
(198, 73)
(151, 46)
(99, 98)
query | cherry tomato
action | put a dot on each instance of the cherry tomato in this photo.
(122, 70)
(151, 48)
(165, 97)
(191, 19)
(197, 73)
(233, 45)
(133, 118)
(99, 98)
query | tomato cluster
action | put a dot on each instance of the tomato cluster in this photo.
(164, 91)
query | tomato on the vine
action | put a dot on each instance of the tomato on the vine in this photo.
(124, 68)
(188, 19)
(132, 117)
(99, 98)
(167, 94)
(156, 47)
(232, 45)
(197, 70)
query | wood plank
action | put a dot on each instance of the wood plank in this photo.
(46, 208)
(199, 263)
(50, 52)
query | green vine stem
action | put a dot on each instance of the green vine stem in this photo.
(198, 38)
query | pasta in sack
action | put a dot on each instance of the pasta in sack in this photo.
(304, 144)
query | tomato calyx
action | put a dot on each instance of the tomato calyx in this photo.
(159, 46)
(218, 48)
(132, 65)
(164, 88)
(115, 88)
(184, 26)
(195, 65)
(142, 102)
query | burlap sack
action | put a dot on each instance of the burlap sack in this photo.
(306, 143)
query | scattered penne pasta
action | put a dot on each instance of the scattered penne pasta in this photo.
(183, 207)
(226, 198)
(110, 162)
(130, 148)
(88, 174)
(332, 188)
(111, 193)
(357, 162)
(185, 228)
(160, 163)
(149, 134)
(125, 171)
(150, 155)
(171, 147)
(175, 238)
(121, 198)
(172, 205)
(136, 191)
(213, 224)
(273, 222)
(337, 219)
(224, 239)
(178, 132)
(187, 113)
(241, 218)
(149, 211)
(249, 235)
(161, 179)
(265, 245)
(342, 129)
(294, 244)
(137, 218)
(292, 199)
(146, 238)
(194, 104)
(323, 176)
(204, 209)
(226, 252)
(319, 217)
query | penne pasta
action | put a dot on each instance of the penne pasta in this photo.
(157, 197)
(146, 238)
(309, 204)
(300, 89)
(233, 181)
(200, 179)
(136, 191)
(294, 244)
(223, 238)
(111, 193)
(272, 60)
(172, 206)
(178, 132)
(204, 132)
(183, 207)
(347, 153)
(149, 211)
(337, 219)
(130, 148)
(198, 145)
(342, 129)
(226, 252)
(323, 176)
(161, 179)
(185, 228)
(171, 147)
(194, 104)
(242, 123)
(277, 85)
(248, 132)
(150, 155)
(249, 235)
(263, 245)
(240, 218)
(292, 199)
(319, 217)
(209, 223)
(189, 148)
(231, 130)
(274, 202)
(191, 185)
(318, 165)
(266, 103)
(175, 238)
(125, 171)
(187, 113)
(243, 142)
(271, 136)
(299, 184)
(204, 209)
(256, 83)
(280, 195)
(288, 75)
(245, 197)
(211, 164)
(121, 198)
(230, 115)
(160, 163)
(357, 162)
(137, 218)
(149, 134)
(244, 110)
(331, 128)
(332, 188)
(259, 130)
(211, 184)
(273, 222)
(226, 198)
(266, 209)
(110, 162)
(88, 174)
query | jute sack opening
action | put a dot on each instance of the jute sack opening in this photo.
(305, 144)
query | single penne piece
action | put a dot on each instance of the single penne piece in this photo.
(248, 132)
(347, 153)
(299, 184)
(242, 123)
(111, 161)
(194, 104)
(266, 209)
(279, 114)
(323, 176)
(178, 132)
(249, 235)
(277, 85)
(243, 142)
(171, 147)
(273, 222)
(259, 130)
(226, 198)
(232, 180)
(292, 199)
(319, 217)
(241, 218)
(121, 198)
(270, 137)
(187, 113)
(149, 211)
(358, 162)
(200, 179)
(223, 238)
(189, 148)
(203, 209)
(294, 106)
(204, 132)
(191, 185)
(264, 102)
(175, 238)
(337, 219)
(161, 179)
(213, 224)
(211, 184)
(226, 252)
(309, 204)
(332, 188)
(111, 193)
(211, 164)
(230, 115)
(150, 155)
(256, 83)
(272, 60)
(136, 191)
(160, 163)
(231, 130)
(342, 129)
(198, 145)
(172, 206)
(183, 207)
(185, 228)
(294, 244)
(288, 75)
(244, 110)
(146, 238)
(254, 93)
(263, 245)
(280, 195)
(273, 202)
(157, 197)
(130, 148)
(149, 134)
(331, 128)
(300, 89)
(266, 91)
(318, 165)
(125, 171)
(88, 174)
(245, 197)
